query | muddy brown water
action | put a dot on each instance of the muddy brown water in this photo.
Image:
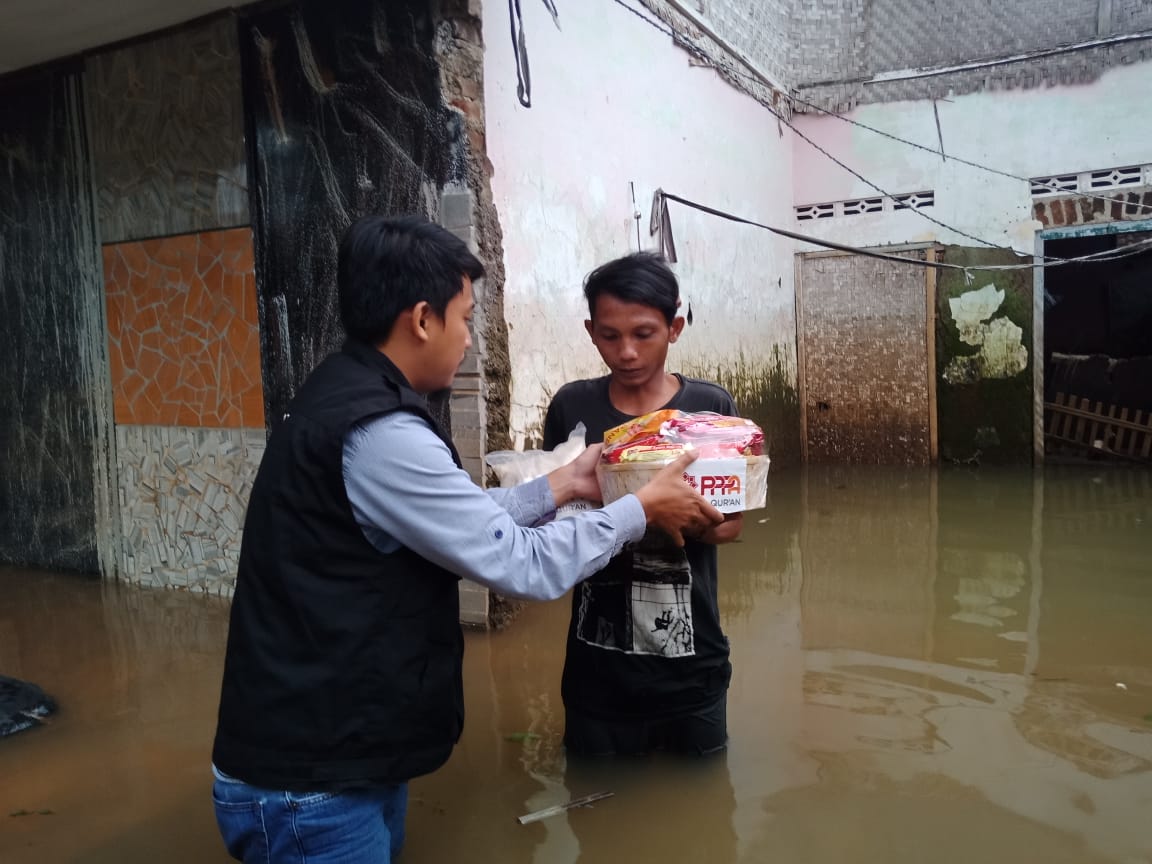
(944, 667)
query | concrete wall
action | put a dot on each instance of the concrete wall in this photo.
(761, 30)
(982, 412)
(614, 103)
(827, 49)
(841, 40)
(1029, 133)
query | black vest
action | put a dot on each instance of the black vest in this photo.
(344, 664)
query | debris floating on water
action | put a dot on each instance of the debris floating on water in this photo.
(561, 808)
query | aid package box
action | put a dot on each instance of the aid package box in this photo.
(730, 471)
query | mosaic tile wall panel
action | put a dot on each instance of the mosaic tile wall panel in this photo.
(183, 333)
(183, 494)
(167, 132)
(56, 498)
(348, 119)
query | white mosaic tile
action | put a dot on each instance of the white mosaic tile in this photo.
(183, 493)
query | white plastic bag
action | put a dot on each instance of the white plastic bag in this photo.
(514, 467)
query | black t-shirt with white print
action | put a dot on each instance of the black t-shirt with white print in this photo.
(645, 636)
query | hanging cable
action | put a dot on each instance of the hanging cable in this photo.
(520, 48)
(662, 223)
(954, 158)
(520, 53)
(663, 28)
(702, 55)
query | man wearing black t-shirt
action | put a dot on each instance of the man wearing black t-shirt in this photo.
(647, 662)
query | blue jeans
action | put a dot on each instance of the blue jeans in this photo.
(362, 826)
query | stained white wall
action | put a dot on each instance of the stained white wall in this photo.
(1031, 133)
(615, 102)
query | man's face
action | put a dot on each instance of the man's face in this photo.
(632, 339)
(449, 339)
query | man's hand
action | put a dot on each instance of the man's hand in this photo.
(727, 531)
(675, 507)
(577, 480)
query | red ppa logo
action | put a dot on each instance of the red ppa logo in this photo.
(691, 481)
(722, 484)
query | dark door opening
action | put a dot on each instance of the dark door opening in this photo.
(1098, 351)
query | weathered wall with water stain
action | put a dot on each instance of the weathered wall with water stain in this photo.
(167, 131)
(460, 54)
(765, 392)
(356, 108)
(349, 108)
(55, 405)
(345, 118)
(984, 360)
(619, 110)
(863, 326)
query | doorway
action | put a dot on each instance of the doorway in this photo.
(1098, 349)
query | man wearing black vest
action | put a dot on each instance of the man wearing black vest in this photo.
(342, 677)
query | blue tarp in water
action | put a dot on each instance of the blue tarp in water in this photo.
(22, 705)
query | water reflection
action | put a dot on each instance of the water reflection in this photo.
(939, 615)
(926, 668)
(123, 766)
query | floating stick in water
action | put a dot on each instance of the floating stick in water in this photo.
(561, 808)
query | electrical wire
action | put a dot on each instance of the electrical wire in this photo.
(1096, 257)
(960, 160)
(702, 55)
(665, 29)
(1106, 255)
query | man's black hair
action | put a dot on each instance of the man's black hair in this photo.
(642, 277)
(389, 264)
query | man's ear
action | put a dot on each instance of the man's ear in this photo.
(677, 328)
(417, 320)
(588, 326)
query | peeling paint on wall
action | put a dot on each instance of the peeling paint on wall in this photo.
(971, 310)
(1002, 353)
(984, 397)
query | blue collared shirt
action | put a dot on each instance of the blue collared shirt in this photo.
(405, 490)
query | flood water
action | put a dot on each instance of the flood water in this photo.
(944, 667)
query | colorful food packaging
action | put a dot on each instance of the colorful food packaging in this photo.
(731, 469)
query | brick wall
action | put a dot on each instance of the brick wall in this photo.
(1064, 210)
(467, 403)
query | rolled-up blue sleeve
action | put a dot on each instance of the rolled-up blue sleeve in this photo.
(527, 503)
(406, 490)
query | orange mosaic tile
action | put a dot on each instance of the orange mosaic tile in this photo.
(183, 334)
